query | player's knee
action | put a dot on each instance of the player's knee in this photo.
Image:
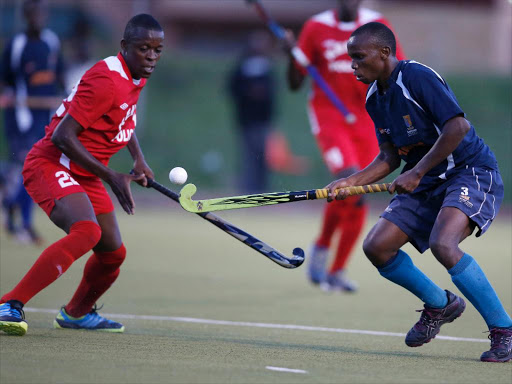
(440, 247)
(113, 259)
(89, 233)
(371, 249)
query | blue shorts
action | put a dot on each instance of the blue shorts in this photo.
(478, 192)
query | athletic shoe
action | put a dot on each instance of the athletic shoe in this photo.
(338, 282)
(12, 318)
(316, 265)
(91, 321)
(431, 320)
(501, 346)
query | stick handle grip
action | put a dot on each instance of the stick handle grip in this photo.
(355, 190)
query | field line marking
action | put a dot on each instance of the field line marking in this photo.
(280, 369)
(259, 325)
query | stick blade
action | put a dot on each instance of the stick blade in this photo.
(185, 199)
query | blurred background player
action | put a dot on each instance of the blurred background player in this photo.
(345, 147)
(252, 87)
(31, 80)
(63, 173)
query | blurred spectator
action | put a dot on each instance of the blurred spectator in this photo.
(31, 72)
(253, 91)
(79, 61)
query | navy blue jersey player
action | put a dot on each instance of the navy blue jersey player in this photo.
(31, 79)
(449, 187)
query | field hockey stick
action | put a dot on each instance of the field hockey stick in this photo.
(261, 199)
(299, 56)
(246, 238)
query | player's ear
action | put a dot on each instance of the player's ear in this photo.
(385, 52)
(124, 45)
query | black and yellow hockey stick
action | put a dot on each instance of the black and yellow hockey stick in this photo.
(260, 199)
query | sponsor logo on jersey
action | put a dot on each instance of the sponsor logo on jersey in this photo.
(334, 49)
(124, 106)
(384, 131)
(411, 131)
(124, 135)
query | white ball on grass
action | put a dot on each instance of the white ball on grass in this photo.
(178, 175)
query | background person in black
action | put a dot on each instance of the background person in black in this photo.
(252, 89)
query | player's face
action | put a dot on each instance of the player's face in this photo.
(367, 59)
(142, 53)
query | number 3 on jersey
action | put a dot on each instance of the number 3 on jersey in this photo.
(65, 179)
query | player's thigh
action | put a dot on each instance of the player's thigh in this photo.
(451, 227)
(383, 241)
(60, 196)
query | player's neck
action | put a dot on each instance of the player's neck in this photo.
(347, 15)
(382, 82)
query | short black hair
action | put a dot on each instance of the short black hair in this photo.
(143, 21)
(381, 34)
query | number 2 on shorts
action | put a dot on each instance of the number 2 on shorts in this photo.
(65, 180)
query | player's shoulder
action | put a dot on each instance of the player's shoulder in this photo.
(367, 15)
(50, 38)
(326, 18)
(110, 67)
(412, 69)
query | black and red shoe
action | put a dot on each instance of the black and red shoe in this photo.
(501, 346)
(431, 320)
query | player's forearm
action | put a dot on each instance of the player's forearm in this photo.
(134, 148)
(384, 164)
(453, 133)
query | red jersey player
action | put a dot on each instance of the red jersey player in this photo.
(62, 174)
(345, 147)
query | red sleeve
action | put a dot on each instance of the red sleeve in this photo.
(400, 55)
(94, 98)
(306, 43)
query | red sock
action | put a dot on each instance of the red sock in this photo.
(351, 224)
(331, 219)
(55, 260)
(100, 272)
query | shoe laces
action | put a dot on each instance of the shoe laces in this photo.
(429, 315)
(499, 337)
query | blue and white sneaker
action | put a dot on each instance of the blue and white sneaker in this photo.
(317, 263)
(12, 318)
(91, 321)
(338, 281)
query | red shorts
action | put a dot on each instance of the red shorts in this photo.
(46, 181)
(343, 145)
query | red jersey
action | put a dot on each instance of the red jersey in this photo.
(324, 42)
(104, 103)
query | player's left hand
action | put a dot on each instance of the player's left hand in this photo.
(405, 183)
(140, 167)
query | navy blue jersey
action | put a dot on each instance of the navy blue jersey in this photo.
(30, 67)
(411, 115)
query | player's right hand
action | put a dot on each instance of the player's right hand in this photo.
(120, 185)
(339, 184)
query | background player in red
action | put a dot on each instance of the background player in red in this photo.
(62, 174)
(345, 147)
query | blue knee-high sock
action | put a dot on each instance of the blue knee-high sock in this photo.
(401, 270)
(472, 282)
